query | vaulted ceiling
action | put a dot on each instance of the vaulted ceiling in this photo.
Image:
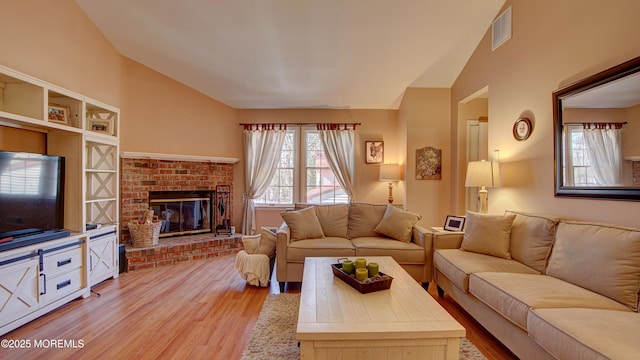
(359, 54)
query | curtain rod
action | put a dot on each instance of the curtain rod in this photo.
(598, 125)
(299, 123)
(593, 122)
(283, 126)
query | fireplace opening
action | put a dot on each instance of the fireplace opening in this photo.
(182, 212)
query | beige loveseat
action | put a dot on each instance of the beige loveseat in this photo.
(546, 287)
(356, 229)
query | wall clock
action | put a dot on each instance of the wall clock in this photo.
(522, 129)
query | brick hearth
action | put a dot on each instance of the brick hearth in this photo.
(175, 250)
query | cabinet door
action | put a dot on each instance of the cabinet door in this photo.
(103, 259)
(18, 290)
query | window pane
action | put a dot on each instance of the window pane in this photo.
(321, 183)
(280, 190)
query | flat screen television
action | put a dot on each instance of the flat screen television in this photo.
(31, 193)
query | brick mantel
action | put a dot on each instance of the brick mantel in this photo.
(139, 176)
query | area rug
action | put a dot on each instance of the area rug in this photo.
(274, 335)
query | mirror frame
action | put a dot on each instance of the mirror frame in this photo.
(617, 193)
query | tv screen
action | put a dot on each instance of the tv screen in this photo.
(31, 193)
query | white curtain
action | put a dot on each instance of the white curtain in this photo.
(604, 149)
(262, 150)
(339, 150)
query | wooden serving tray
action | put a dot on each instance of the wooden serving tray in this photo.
(360, 286)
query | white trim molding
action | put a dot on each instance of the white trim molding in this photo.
(178, 157)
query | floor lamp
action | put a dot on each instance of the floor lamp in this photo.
(390, 173)
(483, 174)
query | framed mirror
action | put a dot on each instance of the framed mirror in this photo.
(597, 135)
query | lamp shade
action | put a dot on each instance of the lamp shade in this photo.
(389, 172)
(483, 173)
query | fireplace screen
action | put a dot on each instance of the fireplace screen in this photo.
(182, 213)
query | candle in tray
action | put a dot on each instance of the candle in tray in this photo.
(347, 266)
(361, 274)
(373, 269)
(361, 263)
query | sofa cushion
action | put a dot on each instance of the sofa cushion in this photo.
(401, 252)
(457, 265)
(304, 224)
(488, 234)
(363, 219)
(325, 247)
(333, 218)
(586, 333)
(532, 236)
(397, 223)
(512, 295)
(599, 257)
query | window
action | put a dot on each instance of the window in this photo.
(303, 174)
(576, 159)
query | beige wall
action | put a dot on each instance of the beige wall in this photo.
(554, 43)
(376, 125)
(54, 41)
(425, 118)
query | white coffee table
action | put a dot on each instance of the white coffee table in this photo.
(336, 321)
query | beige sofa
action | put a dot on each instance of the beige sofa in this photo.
(352, 230)
(546, 287)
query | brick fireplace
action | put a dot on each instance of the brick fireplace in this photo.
(140, 177)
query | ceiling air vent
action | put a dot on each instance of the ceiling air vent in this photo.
(501, 29)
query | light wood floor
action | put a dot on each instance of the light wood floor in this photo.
(196, 310)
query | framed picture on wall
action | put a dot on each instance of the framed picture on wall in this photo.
(454, 223)
(374, 152)
(58, 114)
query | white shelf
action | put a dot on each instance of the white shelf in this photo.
(100, 171)
(97, 200)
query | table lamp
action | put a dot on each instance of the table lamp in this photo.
(390, 173)
(483, 174)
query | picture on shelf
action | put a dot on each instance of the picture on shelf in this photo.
(58, 114)
(101, 126)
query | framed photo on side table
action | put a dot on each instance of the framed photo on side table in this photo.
(454, 223)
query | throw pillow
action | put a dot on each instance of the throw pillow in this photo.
(488, 234)
(532, 236)
(397, 223)
(267, 244)
(251, 243)
(304, 224)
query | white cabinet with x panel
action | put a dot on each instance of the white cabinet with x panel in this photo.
(103, 254)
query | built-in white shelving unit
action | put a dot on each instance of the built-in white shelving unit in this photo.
(86, 132)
